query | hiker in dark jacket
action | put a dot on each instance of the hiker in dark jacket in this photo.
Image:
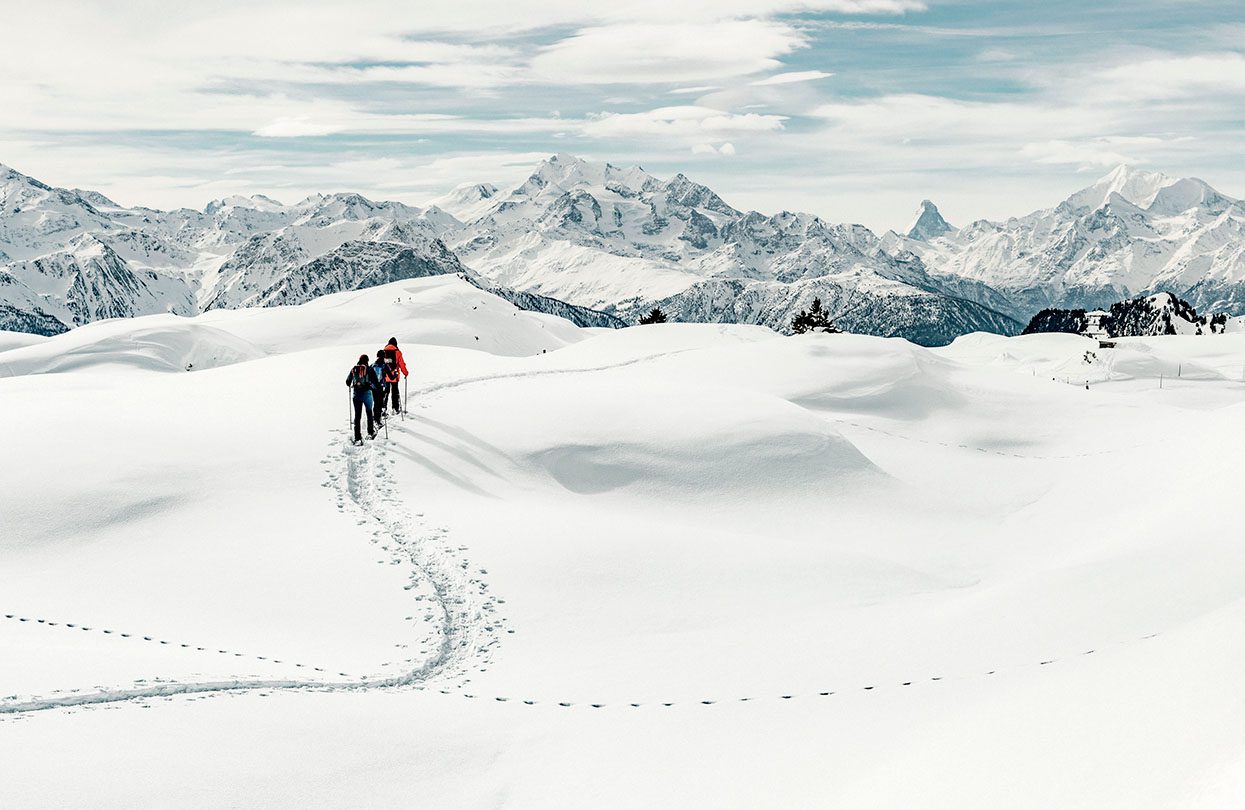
(362, 381)
(381, 393)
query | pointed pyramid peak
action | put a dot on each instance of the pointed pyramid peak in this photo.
(928, 223)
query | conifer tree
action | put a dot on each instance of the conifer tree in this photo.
(814, 319)
(656, 316)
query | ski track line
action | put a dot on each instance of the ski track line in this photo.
(367, 488)
(436, 388)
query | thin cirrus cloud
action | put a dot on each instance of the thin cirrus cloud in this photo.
(685, 123)
(791, 78)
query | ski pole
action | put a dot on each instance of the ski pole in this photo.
(406, 394)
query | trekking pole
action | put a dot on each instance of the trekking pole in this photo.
(406, 394)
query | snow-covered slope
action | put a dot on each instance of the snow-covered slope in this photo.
(622, 240)
(670, 566)
(1131, 233)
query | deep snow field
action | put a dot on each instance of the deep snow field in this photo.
(670, 566)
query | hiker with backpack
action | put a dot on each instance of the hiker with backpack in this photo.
(381, 394)
(362, 381)
(394, 366)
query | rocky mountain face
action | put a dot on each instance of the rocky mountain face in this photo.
(69, 257)
(622, 241)
(928, 223)
(1132, 233)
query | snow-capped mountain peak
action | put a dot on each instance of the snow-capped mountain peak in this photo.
(928, 223)
(1139, 187)
(465, 202)
(1132, 232)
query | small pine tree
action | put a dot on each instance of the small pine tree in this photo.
(656, 316)
(814, 319)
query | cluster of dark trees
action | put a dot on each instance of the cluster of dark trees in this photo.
(813, 319)
(1133, 318)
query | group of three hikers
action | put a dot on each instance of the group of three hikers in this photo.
(375, 384)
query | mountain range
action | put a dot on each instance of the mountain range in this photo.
(602, 244)
(1133, 233)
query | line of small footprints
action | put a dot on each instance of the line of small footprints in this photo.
(154, 640)
(567, 704)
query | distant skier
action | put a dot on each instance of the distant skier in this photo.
(381, 393)
(395, 366)
(362, 382)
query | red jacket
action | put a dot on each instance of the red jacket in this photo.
(397, 353)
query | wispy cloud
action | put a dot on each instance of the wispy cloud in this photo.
(791, 78)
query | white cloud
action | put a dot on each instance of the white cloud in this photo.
(689, 123)
(727, 149)
(996, 55)
(790, 78)
(1086, 154)
(295, 127)
(651, 53)
(1174, 77)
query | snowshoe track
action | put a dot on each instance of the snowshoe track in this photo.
(457, 604)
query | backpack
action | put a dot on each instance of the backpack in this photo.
(379, 369)
(390, 374)
(359, 379)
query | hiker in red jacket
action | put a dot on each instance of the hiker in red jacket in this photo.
(394, 366)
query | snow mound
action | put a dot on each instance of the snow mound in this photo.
(171, 346)
(686, 441)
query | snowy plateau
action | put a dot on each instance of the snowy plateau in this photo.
(671, 566)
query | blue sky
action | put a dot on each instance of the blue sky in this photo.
(852, 109)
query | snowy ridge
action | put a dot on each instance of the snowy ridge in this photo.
(72, 257)
(1132, 233)
(622, 240)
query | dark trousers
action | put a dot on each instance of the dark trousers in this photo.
(379, 397)
(363, 402)
(397, 401)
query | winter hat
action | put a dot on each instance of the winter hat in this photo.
(393, 342)
(363, 359)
